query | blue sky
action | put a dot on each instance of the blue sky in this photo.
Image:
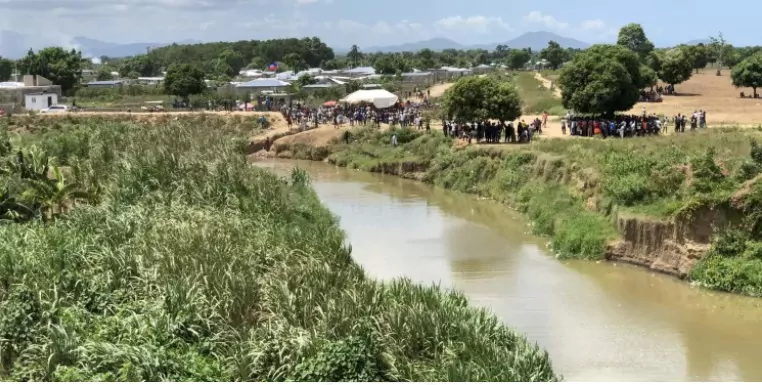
(342, 23)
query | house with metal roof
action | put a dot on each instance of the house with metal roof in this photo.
(260, 85)
(105, 84)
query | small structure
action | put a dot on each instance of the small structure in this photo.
(105, 84)
(359, 71)
(379, 98)
(13, 94)
(40, 101)
(482, 69)
(259, 85)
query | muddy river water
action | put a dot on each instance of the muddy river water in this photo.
(599, 321)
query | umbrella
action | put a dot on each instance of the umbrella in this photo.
(331, 103)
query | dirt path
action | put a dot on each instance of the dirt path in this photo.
(547, 84)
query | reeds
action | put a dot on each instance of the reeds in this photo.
(192, 265)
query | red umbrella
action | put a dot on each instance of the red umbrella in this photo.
(331, 103)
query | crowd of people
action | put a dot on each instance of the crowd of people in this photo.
(492, 132)
(407, 114)
(631, 125)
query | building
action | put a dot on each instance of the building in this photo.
(482, 69)
(13, 94)
(105, 84)
(262, 86)
(40, 101)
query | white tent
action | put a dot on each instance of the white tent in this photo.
(379, 98)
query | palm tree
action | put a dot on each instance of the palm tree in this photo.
(354, 55)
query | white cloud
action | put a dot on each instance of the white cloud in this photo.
(547, 21)
(479, 24)
(593, 25)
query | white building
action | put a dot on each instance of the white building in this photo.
(40, 101)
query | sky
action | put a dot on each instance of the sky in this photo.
(342, 23)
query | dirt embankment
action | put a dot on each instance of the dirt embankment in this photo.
(670, 247)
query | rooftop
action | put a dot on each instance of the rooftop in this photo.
(105, 83)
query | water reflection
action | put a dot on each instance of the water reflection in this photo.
(599, 321)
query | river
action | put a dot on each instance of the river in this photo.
(599, 321)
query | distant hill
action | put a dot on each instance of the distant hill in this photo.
(534, 40)
(699, 41)
(102, 48)
(437, 44)
(15, 45)
(539, 40)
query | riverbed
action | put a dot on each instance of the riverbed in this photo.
(599, 321)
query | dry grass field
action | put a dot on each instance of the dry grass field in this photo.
(713, 94)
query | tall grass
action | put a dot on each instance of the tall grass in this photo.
(196, 266)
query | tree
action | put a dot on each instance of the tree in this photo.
(518, 58)
(426, 58)
(717, 44)
(391, 64)
(676, 66)
(61, 67)
(104, 73)
(184, 80)
(231, 62)
(699, 56)
(481, 98)
(6, 68)
(355, 55)
(554, 54)
(602, 80)
(748, 73)
(634, 38)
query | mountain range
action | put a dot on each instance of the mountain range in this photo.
(15, 45)
(534, 40)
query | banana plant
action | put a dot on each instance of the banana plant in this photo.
(54, 196)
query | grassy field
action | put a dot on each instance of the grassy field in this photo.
(152, 251)
(537, 98)
(571, 189)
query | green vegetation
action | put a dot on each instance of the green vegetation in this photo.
(182, 262)
(476, 98)
(536, 97)
(572, 188)
(748, 73)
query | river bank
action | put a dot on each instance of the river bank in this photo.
(153, 251)
(660, 203)
(599, 321)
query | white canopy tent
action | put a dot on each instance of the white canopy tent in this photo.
(379, 98)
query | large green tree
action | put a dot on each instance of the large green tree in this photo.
(554, 54)
(56, 64)
(699, 56)
(476, 98)
(518, 58)
(104, 73)
(6, 68)
(748, 73)
(676, 66)
(602, 80)
(184, 80)
(634, 38)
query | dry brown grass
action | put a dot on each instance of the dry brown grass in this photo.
(713, 94)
